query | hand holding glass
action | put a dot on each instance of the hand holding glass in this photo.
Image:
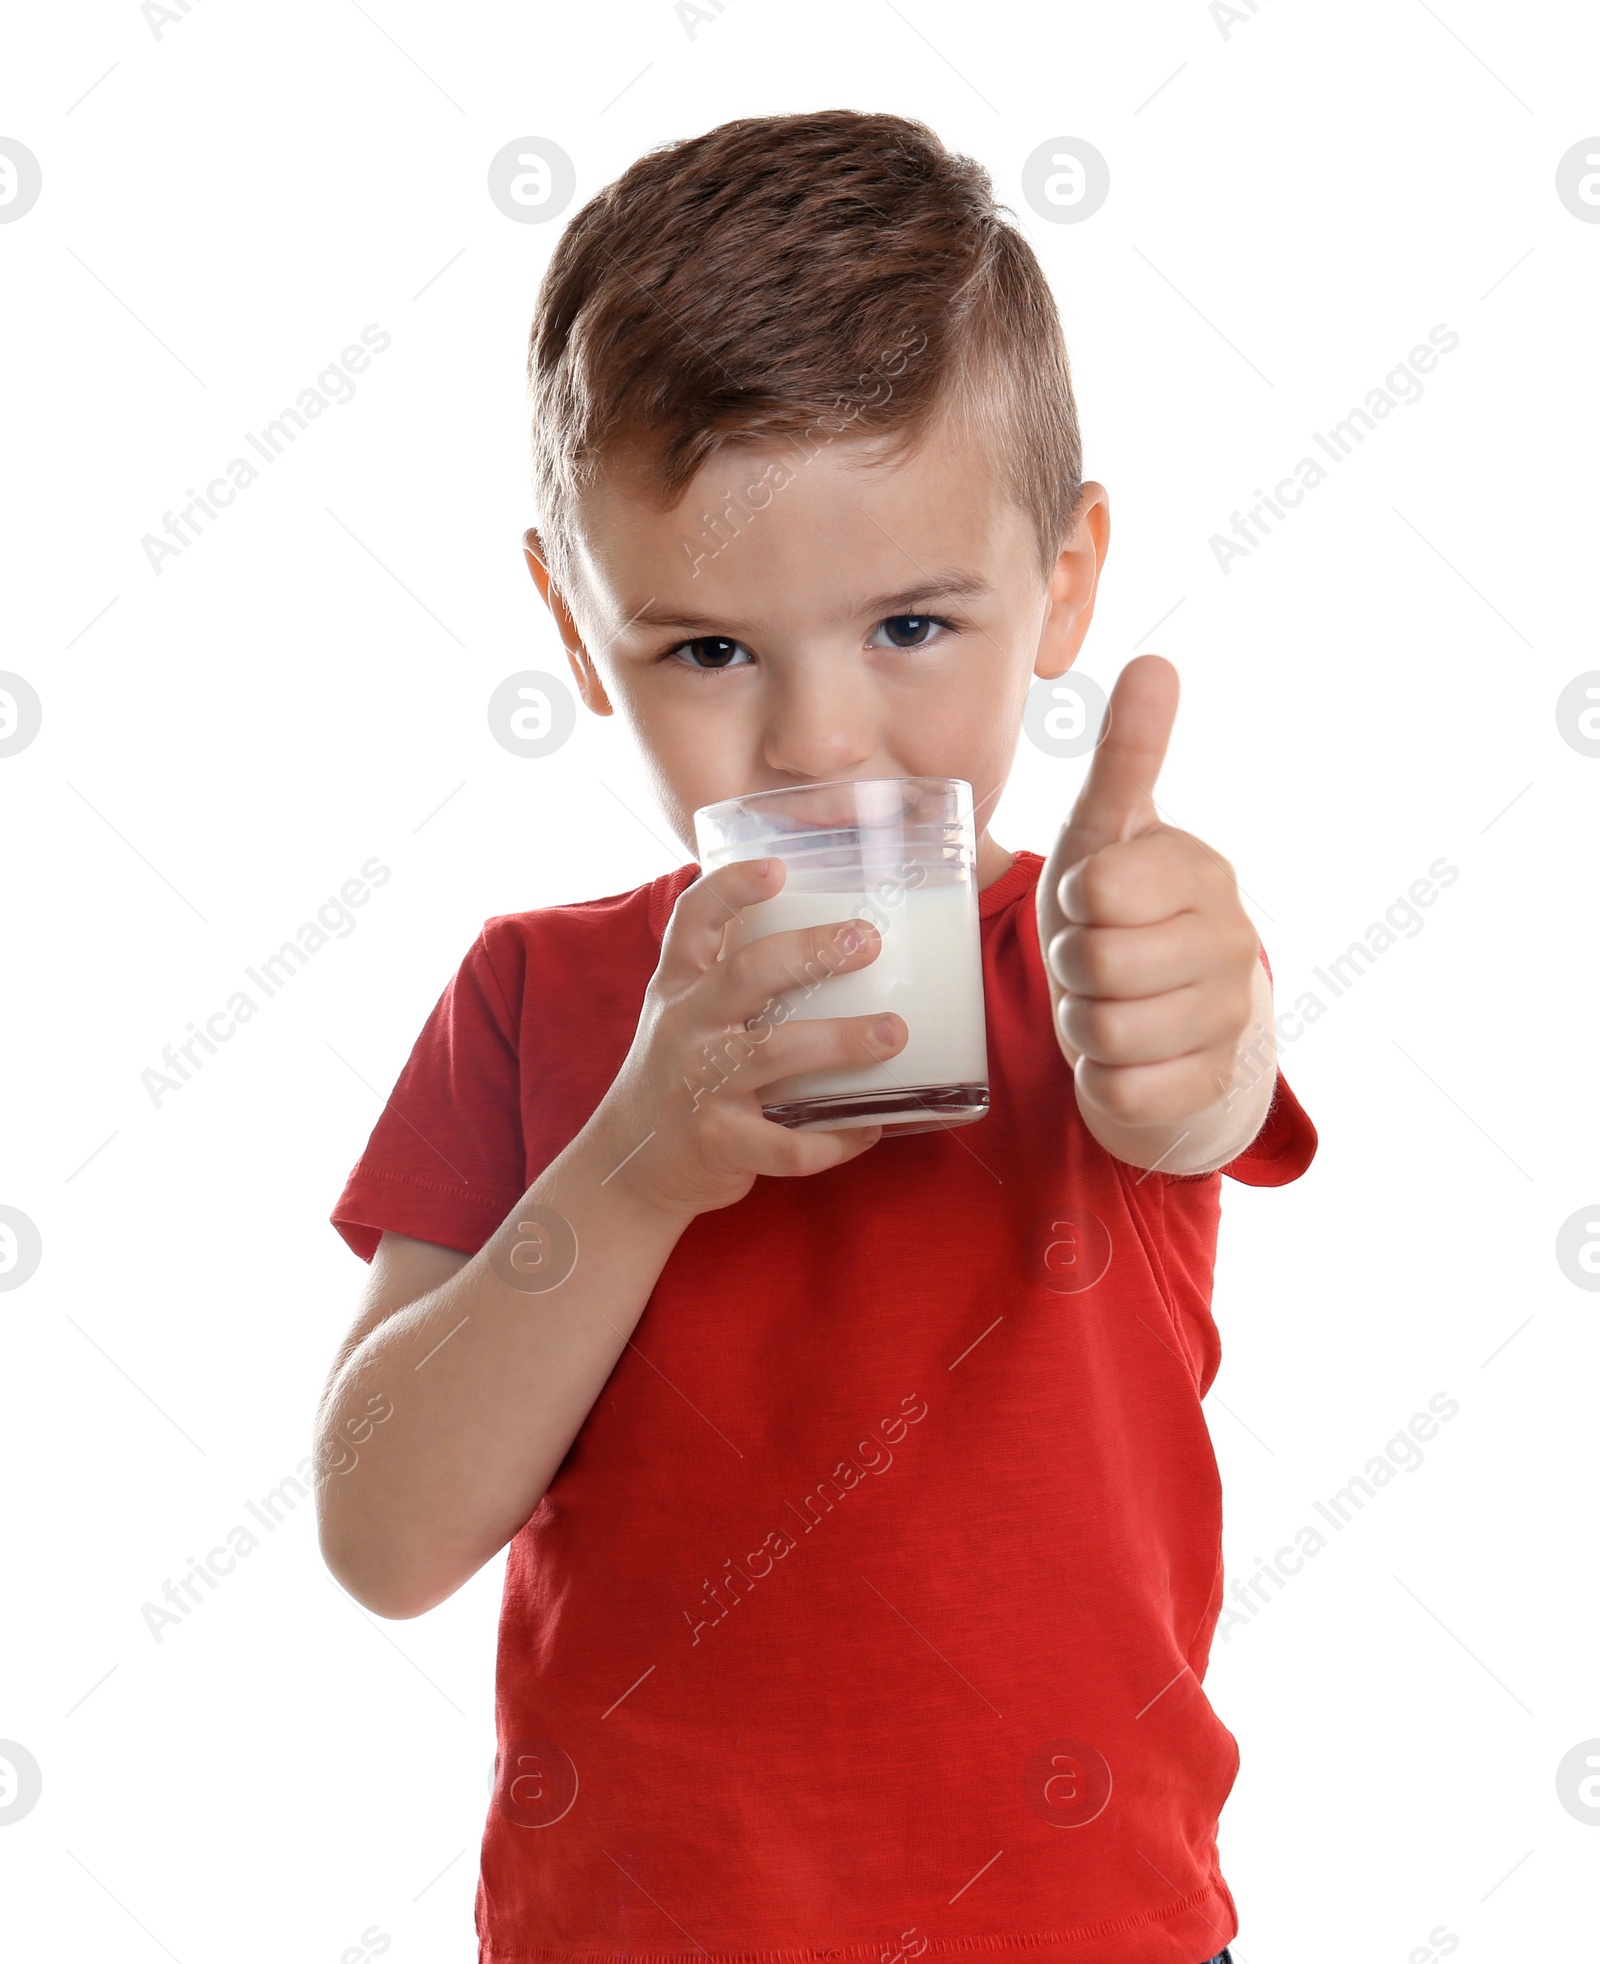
(899, 853)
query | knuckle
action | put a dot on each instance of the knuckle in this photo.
(1119, 1092)
(1206, 1079)
(808, 946)
(1099, 883)
(1220, 1068)
(800, 963)
(729, 1049)
(709, 1126)
(828, 947)
(690, 906)
(1097, 957)
(778, 1047)
(741, 970)
(1097, 1028)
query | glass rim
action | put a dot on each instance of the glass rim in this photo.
(822, 784)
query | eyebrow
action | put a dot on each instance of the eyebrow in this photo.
(948, 585)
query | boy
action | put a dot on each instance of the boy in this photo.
(864, 1523)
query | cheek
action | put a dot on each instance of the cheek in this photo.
(696, 750)
(972, 701)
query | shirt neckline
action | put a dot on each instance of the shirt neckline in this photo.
(1018, 877)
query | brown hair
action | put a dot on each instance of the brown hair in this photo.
(784, 274)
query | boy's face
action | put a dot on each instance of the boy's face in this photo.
(791, 621)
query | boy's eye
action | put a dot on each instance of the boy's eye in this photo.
(907, 631)
(710, 651)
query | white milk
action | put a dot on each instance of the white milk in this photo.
(928, 969)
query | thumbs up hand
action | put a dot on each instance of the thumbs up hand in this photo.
(1156, 987)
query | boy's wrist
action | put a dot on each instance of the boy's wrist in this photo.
(1202, 1144)
(608, 1160)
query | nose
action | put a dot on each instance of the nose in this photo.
(821, 724)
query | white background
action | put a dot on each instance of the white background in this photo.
(1294, 204)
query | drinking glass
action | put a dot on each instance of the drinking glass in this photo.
(899, 852)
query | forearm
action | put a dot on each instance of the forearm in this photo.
(1202, 1141)
(486, 1385)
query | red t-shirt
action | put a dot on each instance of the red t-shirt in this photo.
(866, 1616)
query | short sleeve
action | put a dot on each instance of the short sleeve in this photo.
(1287, 1142)
(445, 1159)
(1283, 1148)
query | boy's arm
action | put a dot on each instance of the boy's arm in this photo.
(464, 1381)
(460, 1388)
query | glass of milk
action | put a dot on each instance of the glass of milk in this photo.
(901, 853)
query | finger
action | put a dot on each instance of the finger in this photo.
(746, 1060)
(754, 977)
(1130, 961)
(1156, 1094)
(693, 939)
(783, 1152)
(1161, 867)
(1153, 1029)
(1117, 798)
(1134, 882)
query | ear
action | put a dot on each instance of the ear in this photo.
(1074, 580)
(584, 673)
